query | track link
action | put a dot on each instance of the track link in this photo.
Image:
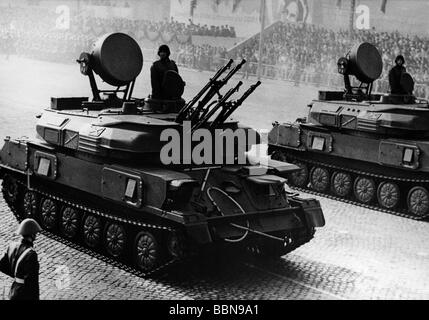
(400, 212)
(158, 271)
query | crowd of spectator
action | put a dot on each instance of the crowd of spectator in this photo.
(200, 57)
(154, 29)
(109, 3)
(304, 52)
(291, 51)
(32, 33)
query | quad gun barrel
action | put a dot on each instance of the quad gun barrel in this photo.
(205, 110)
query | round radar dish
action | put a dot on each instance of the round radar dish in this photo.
(117, 58)
(366, 62)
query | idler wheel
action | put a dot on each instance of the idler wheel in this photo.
(48, 213)
(299, 178)
(92, 231)
(10, 190)
(147, 251)
(388, 195)
(319, 178)
(364, 189)
(341, 183)
(69, 222)
(29, 204)
(418, 201)
(115, 239)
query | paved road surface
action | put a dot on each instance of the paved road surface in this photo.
(359, 254)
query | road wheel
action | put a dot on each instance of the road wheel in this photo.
(341, 183)
(29, 204)
(418, 201)
(147, 251)
(319, 178)
(92, 231)
(115, 239)
(299, 178)
(69, 222)
(388, 195)
(48, 213)
(364, 189)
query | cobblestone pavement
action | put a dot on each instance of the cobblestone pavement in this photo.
(359, 254)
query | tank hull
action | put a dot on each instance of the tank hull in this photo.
(392, 172)
(89, 203)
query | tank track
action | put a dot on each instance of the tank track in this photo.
(254, 250)
(399, 212)
(158, 271)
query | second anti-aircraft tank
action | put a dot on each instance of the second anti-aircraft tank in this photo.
(355, 145)
(95, 175)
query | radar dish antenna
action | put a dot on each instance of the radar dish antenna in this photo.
(117, 59)
(364, 62)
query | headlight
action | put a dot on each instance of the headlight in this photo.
(180, 191)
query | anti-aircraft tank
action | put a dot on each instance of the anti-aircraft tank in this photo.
(95, 174)
(370, 149)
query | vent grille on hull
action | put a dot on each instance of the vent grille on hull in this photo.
(367, 124)
(89, 144)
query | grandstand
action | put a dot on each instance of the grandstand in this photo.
(301, 49)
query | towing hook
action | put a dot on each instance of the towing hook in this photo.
(287, 241)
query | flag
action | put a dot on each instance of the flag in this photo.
(383, 6)
(193, 6)
(235, 4)
(262, 11)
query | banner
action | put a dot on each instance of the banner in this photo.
(107, 12)
(244, 15)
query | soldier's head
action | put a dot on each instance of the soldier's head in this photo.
(28, 229)
(164, 51)
(399, 60)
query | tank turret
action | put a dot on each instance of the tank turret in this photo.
(368, 148)
(96, 175)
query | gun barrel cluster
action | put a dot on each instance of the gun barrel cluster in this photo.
(201, 111)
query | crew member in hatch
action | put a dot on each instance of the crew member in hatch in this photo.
(395, 75)
(158, 70)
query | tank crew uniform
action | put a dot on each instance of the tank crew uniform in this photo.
(158, 70)
(395, 75)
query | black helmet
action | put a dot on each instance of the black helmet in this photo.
(400, 57)
(164, 48)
